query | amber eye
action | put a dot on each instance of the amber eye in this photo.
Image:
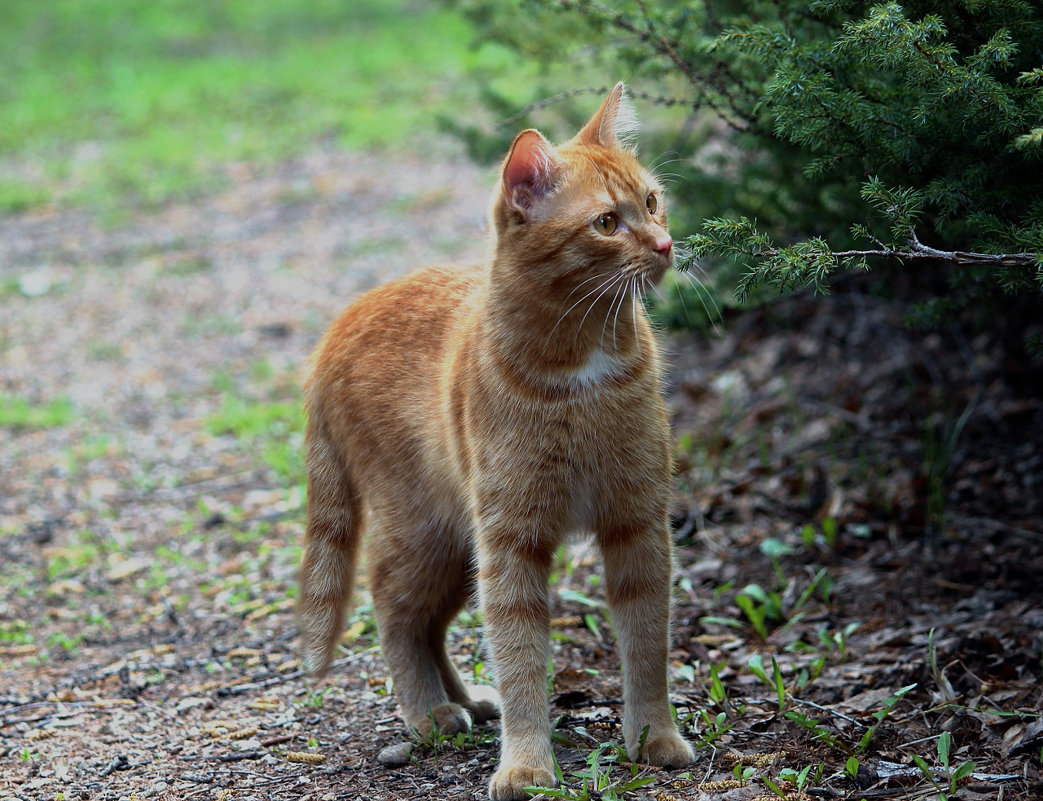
(652, 204)
(606, 224)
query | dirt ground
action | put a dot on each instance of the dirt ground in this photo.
(857, 502)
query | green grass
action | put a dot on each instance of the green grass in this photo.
(18, 196)
(136, 103)
(272, 430)
(16, 412)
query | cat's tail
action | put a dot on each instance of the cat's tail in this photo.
(327, 572)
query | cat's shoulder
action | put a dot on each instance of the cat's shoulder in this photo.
(419, 287)
(429, 281)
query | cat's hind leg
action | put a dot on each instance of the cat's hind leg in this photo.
(419, 580)
(480, 709)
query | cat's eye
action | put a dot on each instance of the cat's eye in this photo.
(606, 224)
(652, 203)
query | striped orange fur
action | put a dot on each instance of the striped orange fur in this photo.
(468, 420)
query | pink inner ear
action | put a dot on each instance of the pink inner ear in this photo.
(529, 164)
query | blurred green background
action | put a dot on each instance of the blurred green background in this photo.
(128, 104)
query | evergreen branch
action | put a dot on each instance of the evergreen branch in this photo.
(811, 263)
(917, 251)
(664, 47)
(930, 57)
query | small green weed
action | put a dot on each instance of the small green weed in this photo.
(92, 447)
(460, 741)
(590, 619)
(818, 731)
(836, 641)
(16, 412)
(743, 774)
(251, 419)
(808, 673)
(775, 681)
(15, 632)
(315, 699)
(599, 779)
(950, 778)
(775, 788)
(714, 728)
(941, 436)
(26, 754)
(72, 559)
(718, 694)
(881, 715)
(67, 642)
(768, 609)
(825, 538)
(851, 768)
(800, 778)
(945, 688)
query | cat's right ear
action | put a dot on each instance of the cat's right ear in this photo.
(529, 172)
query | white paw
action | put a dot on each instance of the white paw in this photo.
(510, 781)
(668, 751)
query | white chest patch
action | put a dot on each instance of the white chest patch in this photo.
(599, 367)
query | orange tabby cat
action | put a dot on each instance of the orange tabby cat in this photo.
(469, 420)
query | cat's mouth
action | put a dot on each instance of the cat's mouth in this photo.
(655, 271)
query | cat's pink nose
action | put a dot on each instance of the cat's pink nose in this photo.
(664, 245)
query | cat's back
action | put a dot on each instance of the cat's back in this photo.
(405, 319)
(390, 341)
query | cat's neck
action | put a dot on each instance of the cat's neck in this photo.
(579, 332)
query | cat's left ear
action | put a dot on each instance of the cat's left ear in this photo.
(529, 172)
(614, 124)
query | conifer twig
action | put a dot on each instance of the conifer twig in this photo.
(661, 45)
(917, 250)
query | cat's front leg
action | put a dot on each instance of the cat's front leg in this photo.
(638, 580)
(513, 585)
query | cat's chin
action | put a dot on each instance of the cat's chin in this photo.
(655, 273)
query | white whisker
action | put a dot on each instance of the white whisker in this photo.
(680, 292)
(607, 282)
(604, 325)
(633, 312)
(703, 293)
(576, 288)
(628, 288)
(668, 178)
(669, 157)
(647, 285)
(594, 302)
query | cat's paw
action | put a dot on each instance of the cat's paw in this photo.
(510, 781)
(668, 751)
(482, 710)
(446, 718)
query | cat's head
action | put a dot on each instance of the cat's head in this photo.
(584, 209)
